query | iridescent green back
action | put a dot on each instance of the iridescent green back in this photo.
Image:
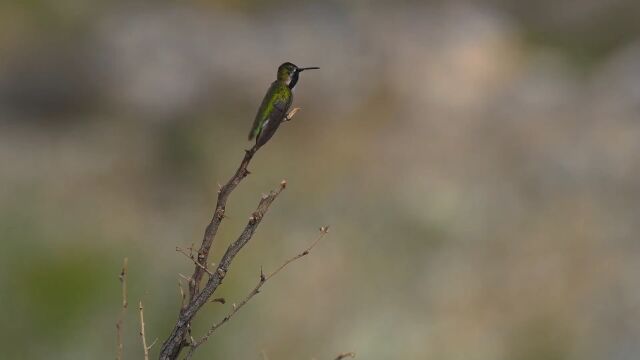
(274, 107)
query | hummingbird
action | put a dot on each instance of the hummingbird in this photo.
(276, 103)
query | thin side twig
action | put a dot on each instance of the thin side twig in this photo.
(119, 324)
(145, 348)
(193, 259)
(256, 290)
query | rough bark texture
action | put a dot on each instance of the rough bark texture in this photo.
(176, 341)
(218, 215)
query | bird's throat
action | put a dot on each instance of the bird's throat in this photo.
(293, 80)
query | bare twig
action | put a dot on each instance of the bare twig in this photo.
(119, 328)
(145, 348)
(193, 258)
(212, 229)
(291, 114)
(263, 278)
(345, 355)
(153, 343)
(324, 230)
(177, 339)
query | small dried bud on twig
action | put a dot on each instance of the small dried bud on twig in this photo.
(345, 355)
(291, 114)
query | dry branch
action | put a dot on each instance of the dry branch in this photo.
(176, 341)
(119, 323)
(219, 214)
(145, 348)
(263, 279)
(180, 336)
(212, 229)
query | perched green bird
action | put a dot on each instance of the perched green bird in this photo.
(276, 103)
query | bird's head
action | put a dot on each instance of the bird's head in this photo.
(289, 72)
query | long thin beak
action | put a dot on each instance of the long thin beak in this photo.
(307, 68)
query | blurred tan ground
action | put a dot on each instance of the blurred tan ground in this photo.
(478, 164)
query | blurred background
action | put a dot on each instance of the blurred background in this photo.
(478, 163)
